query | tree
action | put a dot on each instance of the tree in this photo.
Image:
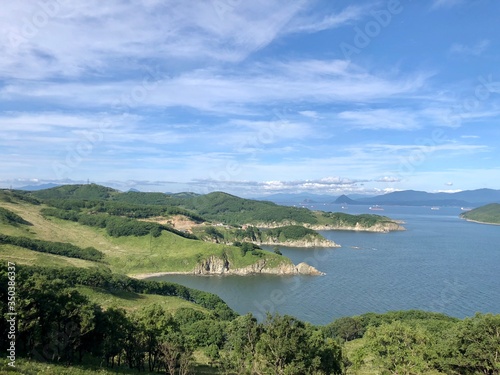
(346, 329)
(475, 346)
(288, 346)
(242, 335)
(400, 349)
(156, 324)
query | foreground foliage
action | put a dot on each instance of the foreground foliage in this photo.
(59, 325)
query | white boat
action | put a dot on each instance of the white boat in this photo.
(435, 208)
(376, 208)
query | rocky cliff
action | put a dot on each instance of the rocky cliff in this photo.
(383, 227)
(218, 266)
(379, 227)
(306, 242)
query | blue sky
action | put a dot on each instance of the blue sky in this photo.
(253, 98)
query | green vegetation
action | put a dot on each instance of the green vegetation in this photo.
(129, 245)
(116, 226)
(82, 192)
(340, 219)
(58, 248)
(98, 322)
(234, 210)
(57, 323)
(9, 217)
(414, 344)
(217, 207)
(290, 232)
(13, 196)
(76, 315)
(282, 235)
(489, 214)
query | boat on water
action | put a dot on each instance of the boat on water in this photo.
(376, 208)
(465, 208)
(435, 208)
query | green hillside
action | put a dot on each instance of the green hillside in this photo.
(489, 214)
(88, 192)
(217, 207)
(157, 249)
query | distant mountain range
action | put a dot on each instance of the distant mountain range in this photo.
(465, 198)
(421, 198)
(298, 198)
(37, 187)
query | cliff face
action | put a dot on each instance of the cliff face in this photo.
(379, 228)
(306, 243)
(217, 266)
(213, 265)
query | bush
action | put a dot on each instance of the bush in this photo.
(57, 248)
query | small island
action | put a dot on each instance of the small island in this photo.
(488, 214)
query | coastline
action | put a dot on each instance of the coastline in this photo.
(216, 267)
(142, 276)
(480, 222)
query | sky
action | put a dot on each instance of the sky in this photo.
(251, 97)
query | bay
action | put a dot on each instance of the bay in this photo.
(440, 263)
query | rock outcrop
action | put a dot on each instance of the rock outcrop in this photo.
(306, 243)
(378, 228)
(212, 266)
(218, 266)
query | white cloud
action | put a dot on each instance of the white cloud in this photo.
(37, 45)
(475, 50)
(381, 119)
(388, 179)
(310, 114)
(214, 90)
(316, 23)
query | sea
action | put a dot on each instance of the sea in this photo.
(441, 263)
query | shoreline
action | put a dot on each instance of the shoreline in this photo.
(480, 222)
(142, 276)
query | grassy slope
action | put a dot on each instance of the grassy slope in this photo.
(58, 230)
(485, 214)
(27, 257)
(134, 301)
(131, 255)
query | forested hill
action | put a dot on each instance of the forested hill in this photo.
(489, 214)
(216, 206)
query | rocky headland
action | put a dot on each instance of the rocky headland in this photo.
(217, 266)
(377, 228)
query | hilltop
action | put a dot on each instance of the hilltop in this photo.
(488, 214)
(218, 207)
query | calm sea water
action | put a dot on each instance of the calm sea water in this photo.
(441, 263)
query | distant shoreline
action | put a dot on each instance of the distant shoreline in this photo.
(480, 222)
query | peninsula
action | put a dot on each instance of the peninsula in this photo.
(137, 233)
(488, 214)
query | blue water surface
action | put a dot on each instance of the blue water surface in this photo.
(440, 263)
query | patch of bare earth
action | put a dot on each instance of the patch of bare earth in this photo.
(179, 222)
